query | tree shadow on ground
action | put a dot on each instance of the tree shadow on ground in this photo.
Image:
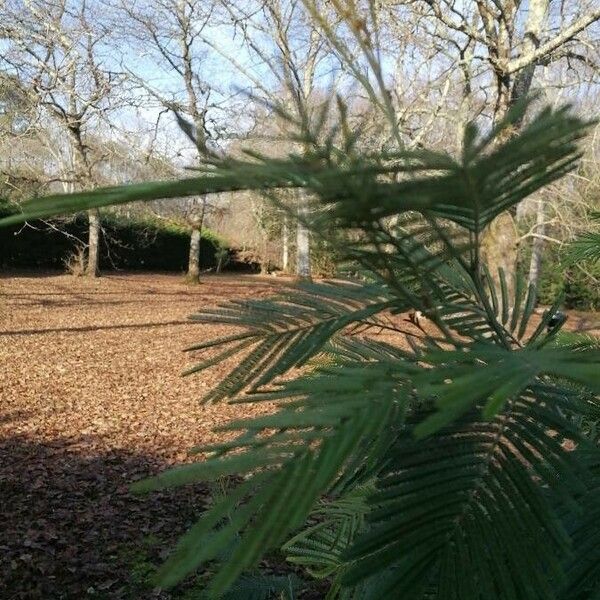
(72, 530)
(88, 328)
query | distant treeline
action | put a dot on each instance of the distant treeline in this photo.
(126, 244)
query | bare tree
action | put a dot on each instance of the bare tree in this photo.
(498, 46)
(283, 50)
(428, 66)
(55, 48)
(21, 154)
(170, 32)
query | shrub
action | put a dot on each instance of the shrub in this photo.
(323, 260)
(75, 262)
(126, 244)
(582, 287)
(578, 283)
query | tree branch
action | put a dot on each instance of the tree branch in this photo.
(550, 46)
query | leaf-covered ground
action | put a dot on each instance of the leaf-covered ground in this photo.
(91, 398)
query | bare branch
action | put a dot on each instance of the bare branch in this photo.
(564, 36)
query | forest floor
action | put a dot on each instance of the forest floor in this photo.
(91, 399)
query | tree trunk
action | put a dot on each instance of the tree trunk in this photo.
(499, 249)
(222, 256)
(264, 261)
(92, 268)
(285, 257)
(197, 222)
(499, 243)
(302, 241)
(193, 273)
(536, 17)
(83, 174)
(537, 248)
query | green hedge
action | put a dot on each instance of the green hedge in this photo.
(128, 245)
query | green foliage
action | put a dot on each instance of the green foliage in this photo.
(263, 587)
(286, 332)
(587, 247)
(324, 259)
(127, 244)
(582, 287)
(429, 463)
(320, 548)
(577, 282)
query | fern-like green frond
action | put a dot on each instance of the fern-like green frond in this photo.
(586, 247)
(464, 431)
(489, 374)
(284, 333)
(321, 441)
(319, 547)
(465, 515)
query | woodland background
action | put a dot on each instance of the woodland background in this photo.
(101, 92)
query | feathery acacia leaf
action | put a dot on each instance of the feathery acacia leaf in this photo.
(286, 332)
(462, 379)
(460, 435)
